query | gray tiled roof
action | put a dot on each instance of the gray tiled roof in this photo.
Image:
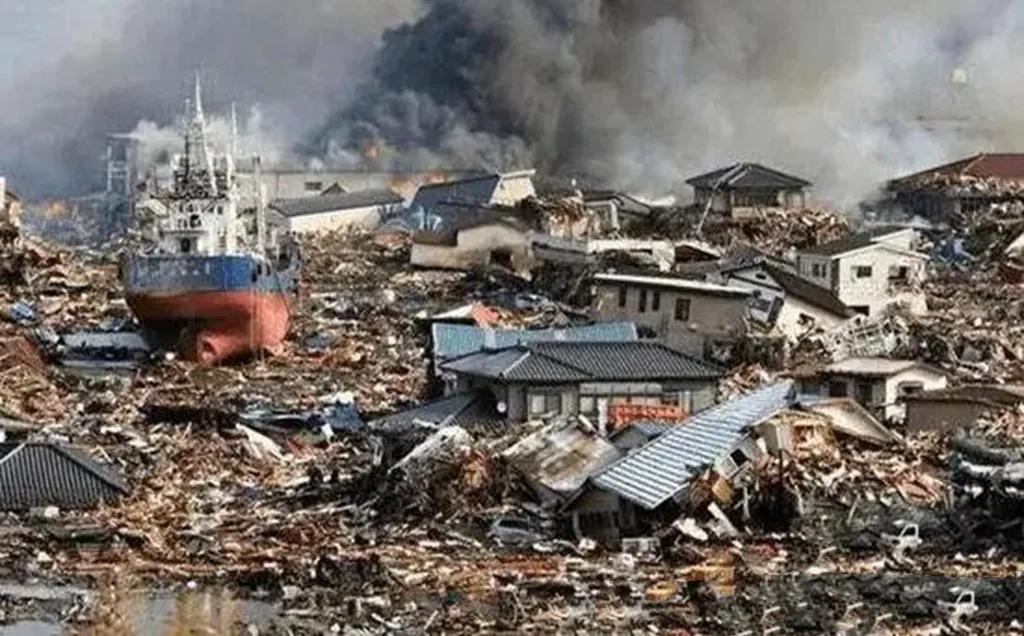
(471, 190)
(451, 341)
(747, 176)
(584, 361)
(807, 291)
(335, 202)
(36, 475)
(660, 469)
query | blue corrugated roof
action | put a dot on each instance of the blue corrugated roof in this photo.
(452, 341)
(658, 470)
(36, 475)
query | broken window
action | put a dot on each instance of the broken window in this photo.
(905, 389)
(899, 273)
(837, 388)
(185, 245)
(739, 458)
(642, 305)
(682, 308)
(862, 271)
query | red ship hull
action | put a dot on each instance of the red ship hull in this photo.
(221, 325)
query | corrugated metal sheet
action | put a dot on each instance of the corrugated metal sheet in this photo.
(36, 475)
(657, 471)
(452, 341)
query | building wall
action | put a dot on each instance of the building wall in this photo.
(815, 268)
(793, 318)
(942, 415)
(601, 516)
(512, 190)
(876, 292)
(793, 313)
(366, 217)
(475, 247)
(883, 397)
(925, 379)
(711, 317)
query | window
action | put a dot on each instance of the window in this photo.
(194, 221)
(588, 404)
(655, 301)
(817, 270)
(185, 245)
(899, 273)
(314, 186)
(739, 458)
(836, 388)
(865, 393)
(642, 305)
(622, 295)
(682, 308)
(862, 271)
(543, 403)
(905, 389)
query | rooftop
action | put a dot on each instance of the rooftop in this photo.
(658, 470)
(38, 475)
(876, 367)
(856, 241)
(747, 176)
(470, 410)
(334, 202)
(584, 361)
(805, 290)
(452, 341)
(671, 283)
(985, 165)
(560, 456)
(993, 394)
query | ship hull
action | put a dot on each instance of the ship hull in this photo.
(213, 309)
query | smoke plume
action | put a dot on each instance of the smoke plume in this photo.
(630, 94)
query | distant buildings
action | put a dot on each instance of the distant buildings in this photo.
(962, 187)
(362, 209)
(507, 188)
(480, 239)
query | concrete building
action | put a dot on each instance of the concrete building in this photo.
(488, 239)
(969, 185)
(692, 316)
(745, 187)
(543, 379)
(870, 271)
(960, 407)
(878, 384)
(786, 302)
(364, 209)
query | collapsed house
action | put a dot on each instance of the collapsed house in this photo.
(334, 211)
(480, 240)
(39, 475)
(870, 271)
(740, 189)
(959, 407)
(969, 185)
(610, 383)
(654, 479)
(507, 188)
(694, 316)
(784, 301)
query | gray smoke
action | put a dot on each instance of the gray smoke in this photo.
(80, 69)
(644, 94)
(633, 94)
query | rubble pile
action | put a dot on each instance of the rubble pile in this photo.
(963, 185)
(777, 230)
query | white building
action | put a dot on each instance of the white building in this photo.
(870, 271)
(786, 302)
(878, 384)
(363, 209)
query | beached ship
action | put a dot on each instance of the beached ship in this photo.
(209, 282)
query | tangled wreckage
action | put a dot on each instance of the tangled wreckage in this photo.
(504, 409)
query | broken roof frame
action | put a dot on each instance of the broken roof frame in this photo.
(661, 469)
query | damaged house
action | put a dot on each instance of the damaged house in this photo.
(654, 480)
(37, 475)
(740, 189)
(783, 301)
(507, 188)
(870, 271)
(693, 316)
(960, 407)
(490, 238)
(878, 384)
(334, 211)
(972, 184)
(607, 382)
